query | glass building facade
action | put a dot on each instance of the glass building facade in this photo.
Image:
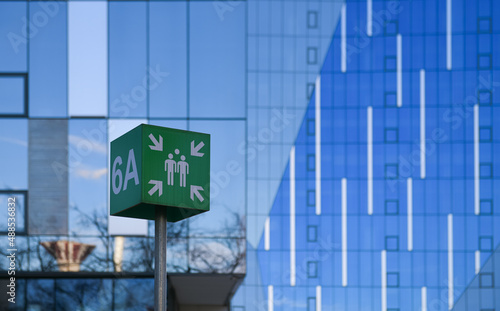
(389, 200)
(353, 149)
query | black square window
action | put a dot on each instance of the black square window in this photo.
(485, 134)
(486, 207)
(312, 56)
(312, 269)
(485, 243)
(391, 207)
(311, 197)
(484, 97)
(392, 243)
(13, 95)
(311, 162)
(393, 279)
(311, 127)
(391, 171)
(390, 63)
(391, 135)
(312, 19)
(391, 28)
(390, 99)
(486, 170)
(484, 25)
(486, 280)
(484, 61)
(312, 233)
(310, 90)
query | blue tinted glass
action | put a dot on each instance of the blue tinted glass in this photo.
(92, 293)
(14, 146)
(12, 95)
(13, 41)
(48, 59)
(217, 62)
(227, 166)
(143, 297)
(87, 161)
(168, 57)
(128, 74)
(17, 201)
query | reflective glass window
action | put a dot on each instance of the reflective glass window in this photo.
(12, 95)
(14, 151)
(48, 59)
(14, 40)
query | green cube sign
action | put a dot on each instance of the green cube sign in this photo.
(155, 166)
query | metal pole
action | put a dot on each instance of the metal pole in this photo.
(160, 259)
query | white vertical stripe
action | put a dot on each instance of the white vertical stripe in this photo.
(369, 145)
(383, 276)
(450, 262)
(422, 123)
(270, 298)
(318, 145)
(369, 18)
(399, 69)
(409, 198)
(476, 160)
(344, 232)
(424, 298)
(343, 45)
(448, 34)
(292, 216)
(478, 261)
(318, 298)
(267, 234)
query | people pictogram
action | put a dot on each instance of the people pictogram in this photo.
(183, 170)
(170, 168)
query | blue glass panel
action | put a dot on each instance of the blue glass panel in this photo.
(128, 72)
(167, 55)
(217, 62)
(48, 54)
(12, 92)
(14, 39)
(14, 146)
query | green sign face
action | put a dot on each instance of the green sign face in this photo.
(156, 166)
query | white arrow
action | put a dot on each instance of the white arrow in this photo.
(158, 145)
(194, 150)
(194, 191)
(158, 185)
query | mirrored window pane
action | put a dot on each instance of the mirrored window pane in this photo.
(88, 213)
(217, 62)
(134, 294)
(40, 294)
(83, 294)
(14, 146)
(88, 58)
(168, 59)
(12, 91)
(127, 59)
(13, 215)
(48, 54)
(13, 41)
(227, 184)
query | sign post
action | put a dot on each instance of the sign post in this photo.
(160, 174)
(160, 259)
